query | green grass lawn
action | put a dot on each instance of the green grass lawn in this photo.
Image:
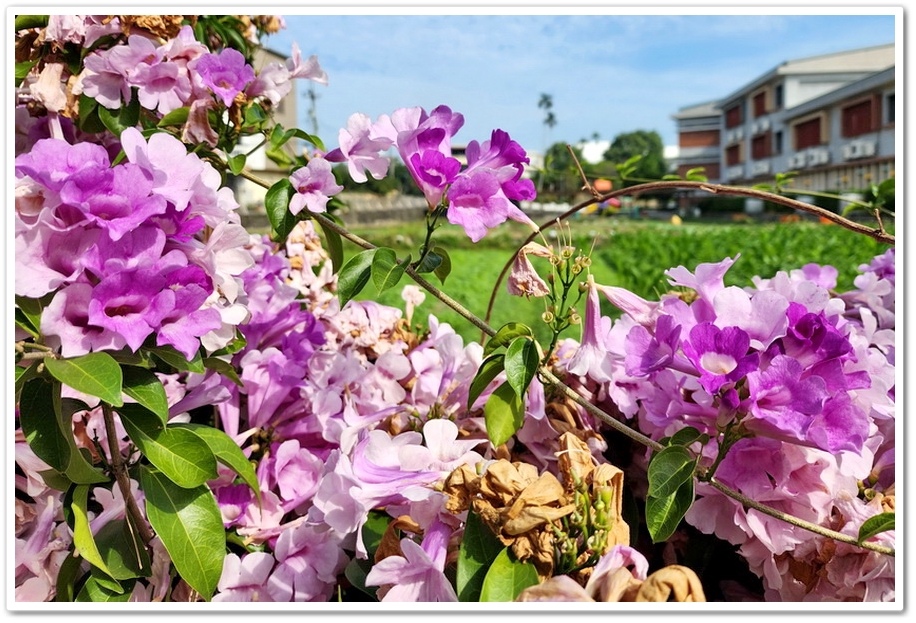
(630, 254)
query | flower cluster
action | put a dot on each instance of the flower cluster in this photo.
(119, 249)
(794, 386)
(478, 197)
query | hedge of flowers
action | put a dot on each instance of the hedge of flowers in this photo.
(204, 414)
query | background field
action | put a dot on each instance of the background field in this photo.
(630, 254)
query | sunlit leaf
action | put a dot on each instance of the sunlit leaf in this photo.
(521, 364)
(190, 526)
(505, 335)
(663, 515)
(669, 469)
(876, 525)
(354, 276)
(96, 374)
(503, 414)
(479, 548)
(489, 370)
(386, 270)
(146, 388)
(507, 578)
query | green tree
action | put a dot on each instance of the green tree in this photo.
(648, 146)
(560, 178)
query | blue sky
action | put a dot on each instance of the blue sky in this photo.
(606, 73)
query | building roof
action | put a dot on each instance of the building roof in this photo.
(852, 89)
(860, 60)
(704, 109)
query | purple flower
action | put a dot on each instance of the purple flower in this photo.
(308, 561)
(784, 403)
(132, 304)
(162, 86)
(226, 73)
(592, 358)
(418, 575)
(720, 355)
(65, 322)
(478, 202)
(314, 185)
(360, 144)
(245, 579)
(646, 353)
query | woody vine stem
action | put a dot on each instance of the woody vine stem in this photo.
(548, 376)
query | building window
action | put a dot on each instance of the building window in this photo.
(733, 155)
(808, 134)
(778, 96)
(777, 142)
(733, 116)
(889, 108)
(857, 119)
(760, 146)
(760, 104)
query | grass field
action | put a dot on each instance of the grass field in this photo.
(630, 254)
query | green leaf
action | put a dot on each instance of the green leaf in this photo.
(181, 455)
(505, 335)
(503, 414)
(89, 115)
(444, 269)
(430, 263)
(67, 575)
(276, 202)
(489, 370)
(226, 452)
(179, 116)
(357, 569)
(685, 436)
(169, 356)
(507, 578)
(96, 374)
(146, 388)
(664, 514)
(479, 548)
(669, 469)
(255, 115)
(23, 69)
(123, 552)
(697, 174)
(122, 118)
(354, 276)
(223, 367)
(97, 590)
(236, 163)
(83, 540)
(46, 422)
(333, 245)
(31, 310)
(189, 524)
(386, 271)
(875, 525)
(521, 364)
(24, 22)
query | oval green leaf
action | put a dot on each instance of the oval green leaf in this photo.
(664, 514)
(430, 263)
(479, 548)
(489, 370)
(507, 578)
(503, 414)
(876, 525)
(505, 335)
(181, 455)
(386, 271)
(669, 469)
(169, 356)
(146, 388)
(521, 364)
(226, 452)
(96, 374)
(354, 276)
(83, 540)
(276, 203)
(189, 523)
(333, 245)
(444, 269)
